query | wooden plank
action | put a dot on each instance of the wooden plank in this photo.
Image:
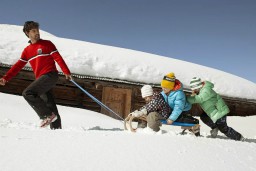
(66, 93)
(117, 99)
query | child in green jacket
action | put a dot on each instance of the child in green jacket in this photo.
(214, 107)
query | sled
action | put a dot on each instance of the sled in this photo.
(191, 127)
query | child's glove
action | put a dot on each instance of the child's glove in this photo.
(138, 113)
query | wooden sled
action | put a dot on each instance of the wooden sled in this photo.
(193, 128)
(128, 122)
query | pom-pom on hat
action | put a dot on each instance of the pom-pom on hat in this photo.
(196, 83)
(146, 91)
(168, 81)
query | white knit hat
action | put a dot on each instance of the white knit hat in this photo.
(195, 83)
(146, 91)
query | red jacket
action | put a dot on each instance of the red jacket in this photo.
(41, 56)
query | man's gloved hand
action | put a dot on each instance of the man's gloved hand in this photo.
(68, 77)
(2, 81)
(138, 113)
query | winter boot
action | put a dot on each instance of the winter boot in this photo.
(242, 138)
(197, 132)
(56, 124)
(214, 132)
(48, 120)
(142, 124)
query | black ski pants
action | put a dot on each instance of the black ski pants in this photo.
(221, 124)
(39, 96)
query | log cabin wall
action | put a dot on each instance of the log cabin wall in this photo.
(122, 98)
(67, 94)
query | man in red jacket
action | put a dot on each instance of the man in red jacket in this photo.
(42, 55)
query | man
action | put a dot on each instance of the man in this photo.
(41, 54)
(175, 97)
(155, 109)
(214, 107)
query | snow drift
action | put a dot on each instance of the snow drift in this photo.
(106, 61)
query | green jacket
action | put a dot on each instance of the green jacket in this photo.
(213, 105)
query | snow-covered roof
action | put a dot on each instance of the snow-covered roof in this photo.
(97, 60)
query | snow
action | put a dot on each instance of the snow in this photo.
(93, 141)
(118, 63)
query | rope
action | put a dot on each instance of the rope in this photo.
(96, 100)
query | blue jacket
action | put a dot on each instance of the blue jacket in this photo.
(177, 101)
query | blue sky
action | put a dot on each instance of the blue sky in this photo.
(216, 33)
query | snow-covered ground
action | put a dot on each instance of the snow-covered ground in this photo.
(93, 141)
(106, 61)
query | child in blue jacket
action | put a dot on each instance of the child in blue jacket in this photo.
(176, 98)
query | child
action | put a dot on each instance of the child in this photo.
(155, 109)
(214, 107)
(175, 97)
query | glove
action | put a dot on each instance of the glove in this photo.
(138, 113)
(68, 77)
(169, 121)
(2, 81)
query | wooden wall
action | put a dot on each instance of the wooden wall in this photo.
(67, 94)
(120, 97)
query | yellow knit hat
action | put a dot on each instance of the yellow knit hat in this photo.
(168, 81)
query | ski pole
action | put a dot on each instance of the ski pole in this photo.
(95, 99)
